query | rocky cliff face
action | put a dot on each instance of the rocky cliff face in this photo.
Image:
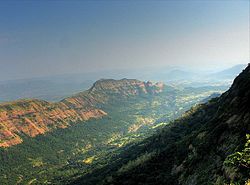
(127, 87)
(34, 117)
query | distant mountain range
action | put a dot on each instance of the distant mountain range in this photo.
(55, 88)
(230, 73)
(195, 78)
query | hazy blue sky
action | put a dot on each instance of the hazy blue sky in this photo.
(54, 37)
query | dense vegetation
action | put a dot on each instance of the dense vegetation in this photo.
(63, 155)
(207, 145)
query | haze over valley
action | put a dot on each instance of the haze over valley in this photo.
(124, 92)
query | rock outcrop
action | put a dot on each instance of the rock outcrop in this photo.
(33, 117)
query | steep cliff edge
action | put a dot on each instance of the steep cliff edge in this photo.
(34, 117)
(207, 145)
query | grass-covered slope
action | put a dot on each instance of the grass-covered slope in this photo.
(207, 145)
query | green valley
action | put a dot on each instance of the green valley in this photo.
(64, 154)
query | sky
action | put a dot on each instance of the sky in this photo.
(60, 37)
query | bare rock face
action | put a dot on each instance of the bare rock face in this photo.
(127, 87)
(34, 117)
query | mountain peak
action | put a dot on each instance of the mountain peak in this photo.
(127, 86)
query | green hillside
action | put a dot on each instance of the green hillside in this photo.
(62, 155)
(209, 144)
